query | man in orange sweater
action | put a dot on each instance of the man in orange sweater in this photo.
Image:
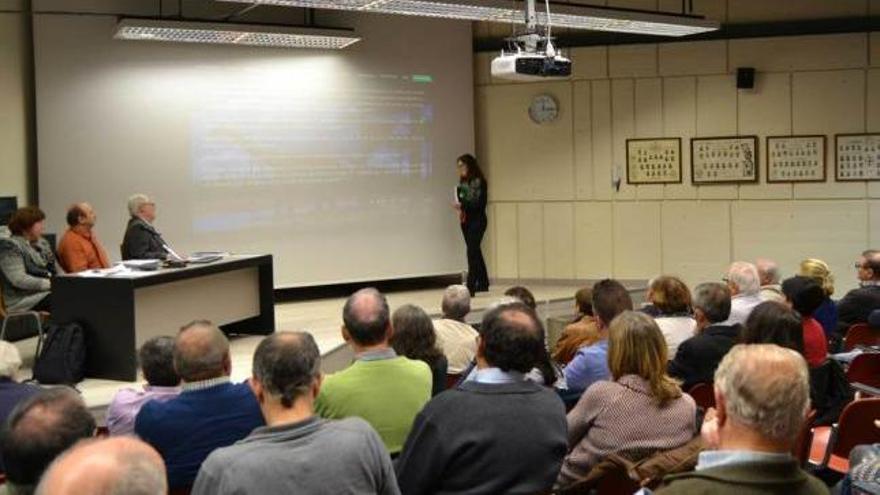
(79, 248)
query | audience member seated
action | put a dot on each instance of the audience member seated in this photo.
(776, 323)
(210, 412)
(11, 392)
(381, 387)
(522, 294)
(762, 397)
(79, 248)
(39, 429)
(804, 295)
(858, 303)
(498, 433)
(864, 466)
(826, 314)
(142, 240)
(590, 363)
(156, 358)
(414, 338)
(742, 280)
(640, 411)
(27, 264)
(457, 339)
(117, 466)
(769, 277)
(698, 357)
(297, 452)
(672, 299)
(582, 331)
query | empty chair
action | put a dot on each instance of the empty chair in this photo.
(832, 445)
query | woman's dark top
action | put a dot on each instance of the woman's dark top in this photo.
(473, 198)
(438, 375)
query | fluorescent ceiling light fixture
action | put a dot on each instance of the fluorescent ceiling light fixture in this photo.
(568, 16)
(234, 34)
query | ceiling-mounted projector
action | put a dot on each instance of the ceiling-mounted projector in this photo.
(532, 56)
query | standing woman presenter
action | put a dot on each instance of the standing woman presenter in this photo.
(472, 194)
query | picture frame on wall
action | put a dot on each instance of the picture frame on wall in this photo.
(857, 157)
(653, 161)
(724, 160)
(796, 158)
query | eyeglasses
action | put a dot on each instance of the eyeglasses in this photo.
(725, 279)
(858, 265)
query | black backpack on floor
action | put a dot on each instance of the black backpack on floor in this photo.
(62, 359)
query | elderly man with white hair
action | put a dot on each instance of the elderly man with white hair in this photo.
(457, 339)
(762, 392)
(770, 279)
(142, 240)
(745, 291)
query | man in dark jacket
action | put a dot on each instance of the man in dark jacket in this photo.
(858, 303)
(698, 356)
(496, 433)
(142, 241)
(762, 393)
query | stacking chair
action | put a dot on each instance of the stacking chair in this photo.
(703, 394)
(832, 444)
(31, 325)
(865, 369)
(860, 334)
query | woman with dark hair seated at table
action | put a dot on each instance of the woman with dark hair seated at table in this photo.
(26, 262)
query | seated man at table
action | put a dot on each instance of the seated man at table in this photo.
(381, 387)
(210, 412)
(142, 240)
(79, 248)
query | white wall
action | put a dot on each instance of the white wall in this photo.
(14, 105)
(556, 215)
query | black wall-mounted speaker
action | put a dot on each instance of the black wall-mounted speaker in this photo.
(745, 78)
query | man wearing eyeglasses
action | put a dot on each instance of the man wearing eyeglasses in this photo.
(142, 241)
(858, 303)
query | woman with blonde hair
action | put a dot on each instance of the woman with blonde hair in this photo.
(641, 410)
(826, 314)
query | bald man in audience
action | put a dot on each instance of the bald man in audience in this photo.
(118, 466)
(762, 392)
(858, 303)
(770, 278)
(39, 429)
(79, 248)
(745, 291)
(381, 387)
(210, 412)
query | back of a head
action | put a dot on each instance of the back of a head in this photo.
(583, 298)
(744, 276)
(819, 271)
(10, 360)
(286, 364)
(39, 429)
(713, 299)
(74, 213)
(610, 298)
(773, 322)
(872, 261)
(804, 293)
(456, 302)
(512, 337)
(766, 389)
(24, 218)
(524, 295)
(636, 346)
(156, 358)
(670, 295)
(110, 466)
(768, 271)
(414, 335)
(201, 351)
(367, 317)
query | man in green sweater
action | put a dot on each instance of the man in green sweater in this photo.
(384, 389)
(762, 394)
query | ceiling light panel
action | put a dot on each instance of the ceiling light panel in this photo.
(233, 34)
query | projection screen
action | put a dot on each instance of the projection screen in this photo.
(341, 164)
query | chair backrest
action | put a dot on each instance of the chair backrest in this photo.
(865, 368)
(801, 448)
(860, 334)
(856, 426)
(452, 380)
(703, 394)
